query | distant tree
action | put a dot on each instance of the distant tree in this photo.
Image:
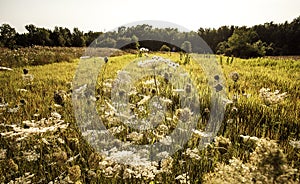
(42, 37)
(107, 42)
(122, 41)
(38, 36)
(22, 40)
(57, 37)
(186, 46)
(91, 36)
(77, 38)
(215, 36)
(7, 36)
(243, 43)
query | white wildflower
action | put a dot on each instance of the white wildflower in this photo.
(30, 155)
(128, 173)
(144, 100)
(200, 134)
(183, 178)
(167, 140)
(192, 153)
(178, 90)
(295, 144)
(3, 154)
(22, 90)
(150, 82)
(14, 110)
(27, 78)
(2, 68)
(270, 98)
(134, 136)
(247, 138)
(167, 165)
(56, 115)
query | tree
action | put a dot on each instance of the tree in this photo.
(107, 42)
(243, 43)
(123, 41)
(7, 36)
(77, 38)
(165, 48)
(91, 36)
(186, 46)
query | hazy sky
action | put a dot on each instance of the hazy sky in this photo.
(100, 15)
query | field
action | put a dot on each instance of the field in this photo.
(40, 141)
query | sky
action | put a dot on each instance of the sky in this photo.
(100, 15)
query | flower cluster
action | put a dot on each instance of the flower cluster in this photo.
(156, 60)
(270, 98)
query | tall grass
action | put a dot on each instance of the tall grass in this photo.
(62, 155)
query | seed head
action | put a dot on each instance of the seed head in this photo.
(105, 59)
(234, 76)
(25, 71)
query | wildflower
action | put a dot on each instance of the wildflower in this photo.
(151, 81)
(14, 110)
(22, 90)
(247, 138)
(234, 76)
(71, 159)
(27, 78)
(167, 140)
(167, 164)
(23, 102)
(295, 144)
(222, 144)
(227, 101)
(270, 98)
(30, 155)
(3, 154)
(12, 165)
(183, 114)
(81, 90)
(200, 134)
(192, 153)
(56, 115)
(163, 129)
(183, 178)
(60, 97)
(144, 100)
(2, 68)
(166, 76)
(218, 87)
(74, 173)
(188, 88)
(178, 90)
(85, 57)
(105, 59)
(235, 98)
(60, 157)
(163, 154)
(134, 136)
(25, 71)
(128, 173)
(234, 109)
(166, 100)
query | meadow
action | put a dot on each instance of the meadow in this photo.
(40, 142)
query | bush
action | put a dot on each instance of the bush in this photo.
(165, 48)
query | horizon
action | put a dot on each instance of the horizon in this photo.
(99, 16)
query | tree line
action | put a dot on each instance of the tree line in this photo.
(259, 40)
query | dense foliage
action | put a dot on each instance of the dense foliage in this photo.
(245, 42)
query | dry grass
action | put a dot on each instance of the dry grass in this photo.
(40, 141)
